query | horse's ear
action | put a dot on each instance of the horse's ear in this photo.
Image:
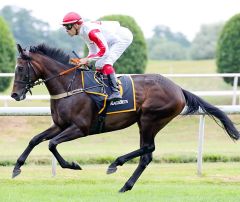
(20, 50)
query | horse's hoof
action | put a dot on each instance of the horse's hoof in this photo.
(76, 166)
(111, 170)
(123, 189)
(16, 172)
(126, 187)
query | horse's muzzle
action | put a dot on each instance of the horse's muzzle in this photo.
(18, 97)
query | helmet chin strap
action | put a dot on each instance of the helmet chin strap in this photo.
(77, 31)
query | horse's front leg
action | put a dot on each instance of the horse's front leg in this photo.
(46, 135)
(71, 133)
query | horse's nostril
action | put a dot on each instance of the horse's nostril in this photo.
(14, 95)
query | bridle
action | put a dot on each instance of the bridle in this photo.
(29, 83)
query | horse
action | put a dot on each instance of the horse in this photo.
(158, 101)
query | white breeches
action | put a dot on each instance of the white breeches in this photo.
(116, 49)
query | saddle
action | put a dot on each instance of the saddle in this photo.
(97, 86)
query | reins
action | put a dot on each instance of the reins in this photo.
(38, 82)
(30, 84)
(61, 73)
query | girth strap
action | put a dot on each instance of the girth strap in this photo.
(67, 94)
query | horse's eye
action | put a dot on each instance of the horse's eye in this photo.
(20, 68)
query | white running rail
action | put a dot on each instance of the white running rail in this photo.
(45, 111)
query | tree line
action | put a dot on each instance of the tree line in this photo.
(163, 45)
(168, 45)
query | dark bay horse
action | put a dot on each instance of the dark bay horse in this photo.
(158, 101)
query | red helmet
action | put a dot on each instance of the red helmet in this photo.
(71, 18)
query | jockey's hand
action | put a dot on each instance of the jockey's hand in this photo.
(83, 61)
(74, 61)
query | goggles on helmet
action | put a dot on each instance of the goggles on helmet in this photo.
(68, 26)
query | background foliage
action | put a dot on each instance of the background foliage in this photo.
(205, 42)
(228, 50)
(7, 53)
(167, 45)
(164, 44)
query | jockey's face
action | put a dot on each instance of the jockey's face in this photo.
(72, 29)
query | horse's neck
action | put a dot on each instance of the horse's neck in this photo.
(58, 84)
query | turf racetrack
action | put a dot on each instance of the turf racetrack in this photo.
(160, 182)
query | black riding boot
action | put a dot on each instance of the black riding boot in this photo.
(114, 88)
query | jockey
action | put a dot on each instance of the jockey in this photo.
(106, 42)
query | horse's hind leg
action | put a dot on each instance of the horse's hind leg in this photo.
(46, 135)
(144, 161)
(144, 149)
(148, 130)
(123, 159)
(71, 133)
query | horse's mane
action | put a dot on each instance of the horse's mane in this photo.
(54, 53)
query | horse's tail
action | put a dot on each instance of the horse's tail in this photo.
(193, 103)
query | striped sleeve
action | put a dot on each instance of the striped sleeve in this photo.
(96, 37)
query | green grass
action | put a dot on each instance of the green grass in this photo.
(181, 67)
(178, 140)
(159, 182)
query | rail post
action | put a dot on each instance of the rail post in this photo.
(235, 86)
(200, 144)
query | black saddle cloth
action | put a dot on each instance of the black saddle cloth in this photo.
(98, 89)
